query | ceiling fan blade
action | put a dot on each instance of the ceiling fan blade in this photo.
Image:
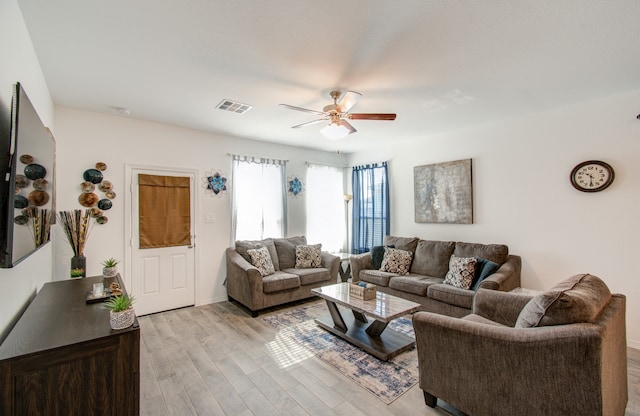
(372, 116)
(348, 100)
(348, 126)
(308, 123)
(306, 110)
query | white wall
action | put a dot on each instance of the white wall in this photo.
(19, 64)
(523, 197)
(85, 138)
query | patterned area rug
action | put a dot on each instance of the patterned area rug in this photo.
(387, 380)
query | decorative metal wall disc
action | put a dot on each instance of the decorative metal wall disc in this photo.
(88, 200)
(87, 187)
(40, 184)
(106, 186)
(111, 195)
(20, 202)
(38, 198)
(92, 175)
(21, 219)
(102, 219)
(95, 212)
(104, 204)
(101, 166)
(35, 171)
(26, 159)
(22, 181)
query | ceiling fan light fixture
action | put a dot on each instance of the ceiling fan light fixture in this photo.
(335, 131)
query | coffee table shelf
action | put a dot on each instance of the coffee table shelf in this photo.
(373, 337)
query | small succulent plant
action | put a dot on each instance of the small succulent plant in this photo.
(110, 262)
(120, 303)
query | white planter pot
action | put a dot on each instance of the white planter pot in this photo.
(122, 320)
(109, 271)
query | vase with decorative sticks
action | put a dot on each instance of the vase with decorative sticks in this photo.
(77, 225)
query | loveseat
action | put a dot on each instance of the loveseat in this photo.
(426, 278)
(270, 272)
(561, 352)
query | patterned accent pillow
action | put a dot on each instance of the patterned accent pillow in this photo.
(308, 257)
(261, 260)
(461, 271)
(396, 261)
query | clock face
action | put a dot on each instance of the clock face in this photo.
(592, 176)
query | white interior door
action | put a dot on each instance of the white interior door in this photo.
(161, 278)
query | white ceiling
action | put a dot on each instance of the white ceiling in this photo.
(439, 64)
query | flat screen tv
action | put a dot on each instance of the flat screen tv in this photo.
(27, 185)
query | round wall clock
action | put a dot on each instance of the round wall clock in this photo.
(592, 176)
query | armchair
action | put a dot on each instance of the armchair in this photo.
(570, 359)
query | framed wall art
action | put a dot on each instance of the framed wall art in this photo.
(443, 193)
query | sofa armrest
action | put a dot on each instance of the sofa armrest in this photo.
(331, 262)
(497, 359)
(506, 278)
(497, 306)
(359, 262)
(243, 279)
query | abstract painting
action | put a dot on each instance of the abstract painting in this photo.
(443, 193)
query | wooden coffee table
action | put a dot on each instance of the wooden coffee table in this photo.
(374, 337)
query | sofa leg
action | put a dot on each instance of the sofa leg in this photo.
(254, 314)
(429, 400)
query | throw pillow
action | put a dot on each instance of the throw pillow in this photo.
(308, 257)
(396, 261)
(377, 254)
(484, 268)
(579, 298)
(461, 271)
(261, 260)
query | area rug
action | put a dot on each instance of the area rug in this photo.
(387, 380)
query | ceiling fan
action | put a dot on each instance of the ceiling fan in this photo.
(338, 113)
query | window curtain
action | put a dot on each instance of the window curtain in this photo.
(371, 221)
(259, 206)
(325, 207)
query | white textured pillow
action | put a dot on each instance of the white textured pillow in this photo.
(461, 271)
(308, 257)
(396, 261)
(261, 260)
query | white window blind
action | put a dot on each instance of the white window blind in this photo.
(326, 207)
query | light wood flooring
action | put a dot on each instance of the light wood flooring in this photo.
(217, 360)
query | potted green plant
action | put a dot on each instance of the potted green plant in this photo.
(121, 312)
(110, 267)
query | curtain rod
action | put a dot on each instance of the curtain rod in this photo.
(256, 157)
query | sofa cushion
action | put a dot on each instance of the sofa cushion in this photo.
(312, 275)
(432, 258)
(308, 256)
(242, 246)
(497, 253)
(261, 259)
(402, 243)
(579, 298)
(396, 261)
(451, 295)
(377, 277)
(280, 280)
(461, 271)
(286, 249)
(377, 254)
(484, 269)
(413, 283)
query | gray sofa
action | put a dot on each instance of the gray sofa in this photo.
(425, 281)
(246, 285)
(562, 352)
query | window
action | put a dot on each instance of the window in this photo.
(370, 206)
(325, 207)
(259, 204)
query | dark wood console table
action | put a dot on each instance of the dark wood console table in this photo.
(63, 358)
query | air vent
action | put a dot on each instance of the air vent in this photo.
(233, 106)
